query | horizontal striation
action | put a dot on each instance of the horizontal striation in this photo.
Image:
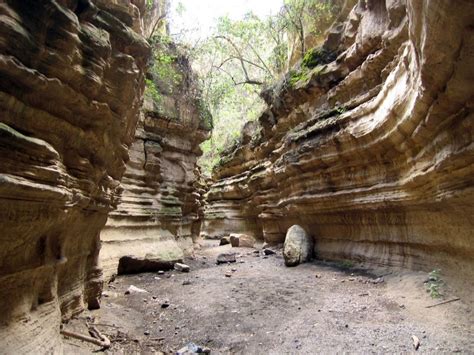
(373, 152)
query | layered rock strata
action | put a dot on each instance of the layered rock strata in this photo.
(71, 88)
(159, 212)
(367, 143)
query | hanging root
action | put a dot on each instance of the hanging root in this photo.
(99, 339)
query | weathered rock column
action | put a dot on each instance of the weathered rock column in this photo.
(159, 212)
(71, 88)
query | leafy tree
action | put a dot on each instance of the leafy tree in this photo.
(306, 18)
(243, 56)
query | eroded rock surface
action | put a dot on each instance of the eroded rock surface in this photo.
(367, 144)
(71, 88)
(159, 212)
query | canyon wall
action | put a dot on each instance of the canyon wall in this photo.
(367, 143)
(72, 83)
(158, 216)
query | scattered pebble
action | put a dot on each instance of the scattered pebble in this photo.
(376, 281)
(181, 267)
(133, 289)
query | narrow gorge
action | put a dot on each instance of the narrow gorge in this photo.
(365, 143)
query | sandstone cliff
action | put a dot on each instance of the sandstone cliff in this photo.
(158, 215)
(367, 143)
(71, 89)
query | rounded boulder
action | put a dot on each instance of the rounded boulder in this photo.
(298, 247)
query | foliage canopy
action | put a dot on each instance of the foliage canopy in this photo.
(243, 56)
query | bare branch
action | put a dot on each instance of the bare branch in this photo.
(155, 26)
(236, 83)
(239, 54)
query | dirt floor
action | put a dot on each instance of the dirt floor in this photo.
(259, 306)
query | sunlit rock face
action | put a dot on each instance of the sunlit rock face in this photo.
(70, 91)
(160, 208)
(370, 146)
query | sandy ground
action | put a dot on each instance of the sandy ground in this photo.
(267, 308)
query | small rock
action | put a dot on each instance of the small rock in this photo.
(416, 342)
(146, 332)
(268, 252)
(378, 280)
(192, 348)
(165, 304)
(161, 272)
(157, 278)
(226, 258)
(225, 240)
(181, 267)
(186, 282)
(233, 270)
(317, 276)
(228, 275)
(133, 289)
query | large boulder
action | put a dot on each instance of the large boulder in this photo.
(298, 246)
(242, 240)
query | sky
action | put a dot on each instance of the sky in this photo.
(201, 15)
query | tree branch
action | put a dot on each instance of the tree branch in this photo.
(236, 83)
(155, 26)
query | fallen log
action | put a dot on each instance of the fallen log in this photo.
(101, 340)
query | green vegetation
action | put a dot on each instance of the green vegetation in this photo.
(317, 56)
(345, 264)
(166, 76)
(298, 76)
(339, 110)
(434, 283)
(243, 56)
(164, 73)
